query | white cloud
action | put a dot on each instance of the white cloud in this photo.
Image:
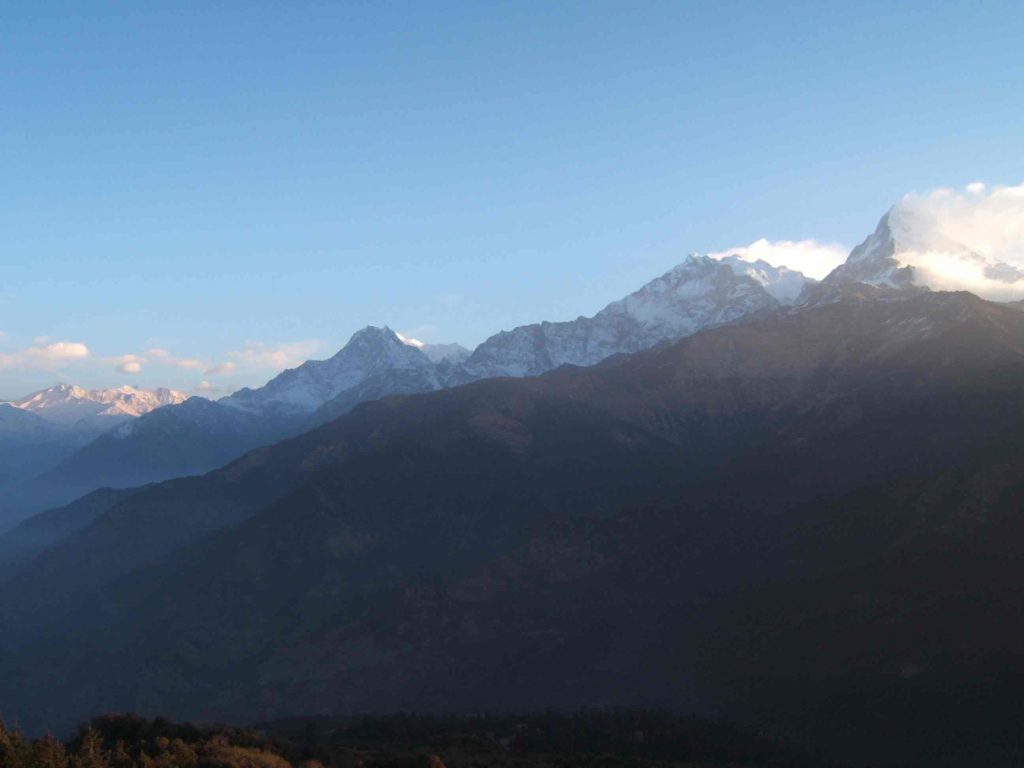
(813, 258)
(159, 355)
(256, 354)
(988, 220)
(163, 357)
(253, 357)
(48, 357)
(128, 363)
(190, 363)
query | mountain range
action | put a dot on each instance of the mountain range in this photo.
(196, 436)
(95, 410)
(600, 531)
(736, 492)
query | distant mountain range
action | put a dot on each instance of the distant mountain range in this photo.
(40, 429)
(95, 410)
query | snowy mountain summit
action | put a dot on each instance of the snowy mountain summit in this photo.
(374, 358)
(698, 293)
(909, 250)
(70, 406)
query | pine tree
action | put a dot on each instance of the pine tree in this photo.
(119, 757)
(47, 752)
(90, 752)
(15, 752)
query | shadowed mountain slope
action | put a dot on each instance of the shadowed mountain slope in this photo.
(627, 534)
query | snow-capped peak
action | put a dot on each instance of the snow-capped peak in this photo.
(454, 353)
(908, 249)
(782, 283)
(410, 341)
(698, 293)
(372, 353)
(68, 404)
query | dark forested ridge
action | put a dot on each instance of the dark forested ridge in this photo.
(630, 739)
(808, 522)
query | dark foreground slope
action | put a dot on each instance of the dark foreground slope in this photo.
(808, 521)
(624, 739)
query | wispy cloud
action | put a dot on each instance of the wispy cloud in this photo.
(256, 354)
(225, 368)
(255, 358)
(813, 258)
(207, 389)
(163, 357)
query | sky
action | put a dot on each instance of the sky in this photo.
(198, 195)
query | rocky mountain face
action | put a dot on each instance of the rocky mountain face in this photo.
(762, 520)
(200, 435)
(21, 425)
(370, 354)
(28, 444)
(699, 293)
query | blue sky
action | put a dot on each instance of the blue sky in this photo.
(240, 185)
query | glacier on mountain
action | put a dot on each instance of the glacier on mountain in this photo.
(699, 293)
(94, 410)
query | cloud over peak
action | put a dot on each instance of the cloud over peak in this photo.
(988, 220)
(982, 228)
(813, 258)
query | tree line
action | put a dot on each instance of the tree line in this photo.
(597, 739)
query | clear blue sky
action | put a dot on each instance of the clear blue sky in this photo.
(198, 176)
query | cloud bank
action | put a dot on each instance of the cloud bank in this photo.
(977, 242)
(813, 258)
(969, 239)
